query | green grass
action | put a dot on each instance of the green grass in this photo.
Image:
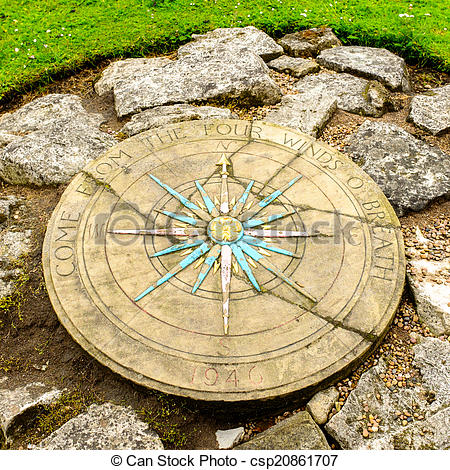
(43, 39)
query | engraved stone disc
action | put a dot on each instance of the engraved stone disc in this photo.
(225, 260)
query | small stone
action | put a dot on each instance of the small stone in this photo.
(307, 112)
(297, 432)
(432, 294)
(365, 433)
(6, 205)
(309, 42)
(227, 439)
(15, 402)
(295, 66)
(13, 245)
(321, 404)
(431, 111)
(236, 40)
(353, 94)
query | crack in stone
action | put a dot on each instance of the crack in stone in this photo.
(299, 153)
(338, 324)
(110, 189)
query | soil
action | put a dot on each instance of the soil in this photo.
(36, 347)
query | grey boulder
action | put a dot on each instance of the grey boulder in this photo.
(295, 66)
(228, 438)
(104, 427)
(309, 42)
(308, 112)
(430, 401)
(296, 432)
(13, 245)
(55, 138)
(370, 62)
(163, 115)
(409, 171)
(200, 75)
(353, 94)
(236, 39)
(431, 111)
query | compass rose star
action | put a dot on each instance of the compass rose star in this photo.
(219, 234)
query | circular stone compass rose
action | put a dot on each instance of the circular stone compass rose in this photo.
(223, 237)
(225, 260)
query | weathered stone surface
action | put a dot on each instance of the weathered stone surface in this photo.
(58, 138)
(309, 42)
(7, 278)
(104, 427)
(431, 111)
(370, 62)
(200, 75)
(6, 138)
(12, 246)
(429, 282)
(6, 205)
(47, 110)
(226, 439)
(308, 112)
(321, 404)
(409, 171)
(236, 39)
(126, 70)
(162, 115)
(353, 94)
(432, 357)
(14, 402)
(297, 432)
(142, 170)
(295, 66)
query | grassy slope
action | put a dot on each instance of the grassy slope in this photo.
(40, 39)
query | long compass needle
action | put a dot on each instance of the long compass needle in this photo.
(182, 218)
(237, 209)
(225, 259)
(251, 222)
(269, 199)
(207, 200)
(240, 257)
(175, 248)
(262, 244)
(268, 233)
(200, 251)
(164, 232)
(224, 197)
(207, 265)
